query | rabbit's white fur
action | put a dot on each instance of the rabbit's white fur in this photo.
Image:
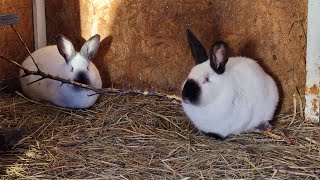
(239, 100)
(50, 61)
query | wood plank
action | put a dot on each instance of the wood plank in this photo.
(8, 19)
(39, 24)
(312, 92)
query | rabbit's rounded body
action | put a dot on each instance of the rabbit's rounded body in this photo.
(227, 95)
(50, 61)
(239, 100)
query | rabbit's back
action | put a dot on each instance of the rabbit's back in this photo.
(256, 91)
(49, 61)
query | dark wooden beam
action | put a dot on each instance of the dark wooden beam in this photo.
(8, 19)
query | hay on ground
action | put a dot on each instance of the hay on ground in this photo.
(138, 137)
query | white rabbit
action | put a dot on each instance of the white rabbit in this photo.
(62, 60)
(223, 95)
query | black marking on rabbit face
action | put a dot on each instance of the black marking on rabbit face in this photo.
(82, 77)
(191, 92)
(214, 135)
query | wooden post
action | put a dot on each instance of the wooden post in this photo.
(39, 24)
(312, 93)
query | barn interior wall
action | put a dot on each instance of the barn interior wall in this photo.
(144, 44)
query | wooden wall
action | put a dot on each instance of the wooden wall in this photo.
(10, 45)
(144, 42)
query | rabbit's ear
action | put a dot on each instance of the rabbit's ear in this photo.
(198, 51)
(90, 48)
(219, 56)
(65, 47)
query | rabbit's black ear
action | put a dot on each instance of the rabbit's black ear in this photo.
(219, 56)
(198, 51)
(65, 47)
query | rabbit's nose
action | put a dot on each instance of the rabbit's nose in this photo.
(191, 92)
(82, 77)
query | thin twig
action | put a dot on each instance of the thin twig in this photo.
(12, 78)
(2, 88)
(42, 78)
(25, 45)
(294, 108)
(300, 103)
(275, 136)
(96, 90)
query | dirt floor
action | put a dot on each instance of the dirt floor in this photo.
(138, 137)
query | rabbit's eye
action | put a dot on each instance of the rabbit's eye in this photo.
(206, 79)
(88, 68)
(71, 69)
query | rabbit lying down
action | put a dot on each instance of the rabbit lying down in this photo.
(227, 95)
(62, 60)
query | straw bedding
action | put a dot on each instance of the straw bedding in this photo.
(139, 137)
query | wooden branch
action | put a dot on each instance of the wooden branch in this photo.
(12, 78)
(14, 29)
(96, 90)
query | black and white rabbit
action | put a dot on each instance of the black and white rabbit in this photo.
(227, 95)
(62, 60)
